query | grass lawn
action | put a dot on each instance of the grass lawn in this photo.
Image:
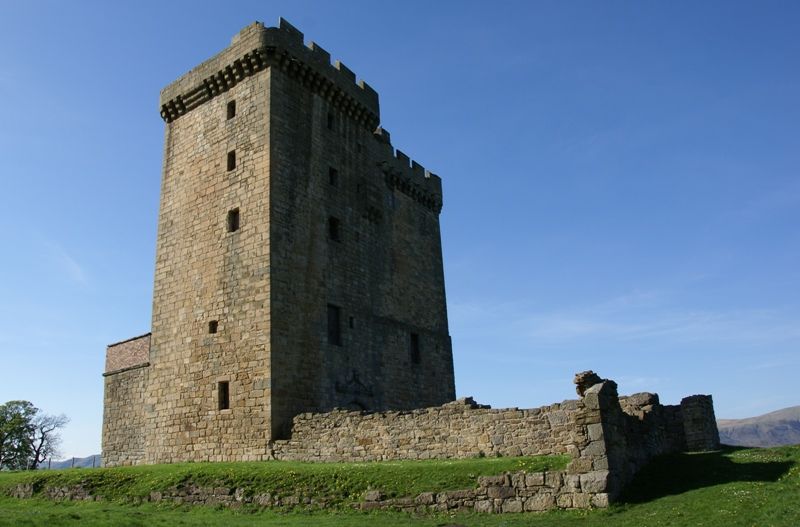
(747, 487)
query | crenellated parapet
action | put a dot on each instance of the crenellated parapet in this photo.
(409, 177)
(256, 48)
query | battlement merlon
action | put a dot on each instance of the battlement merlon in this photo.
(257, 47)
(408, 176)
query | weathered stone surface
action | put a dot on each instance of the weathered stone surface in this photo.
(595, 481)
(535, 479)
(540, 502)
(600, 500)
(585, 380)
(514, 505)
(500, 492)
(493, 481)
(373, 495)
(579, 465)
(22, 491)
(553, 479)
(426, 498)
(564, 501)
(595, 431)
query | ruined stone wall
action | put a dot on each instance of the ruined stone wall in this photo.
(609, 438)
(699, 423)
(635, 429)
(455, 430)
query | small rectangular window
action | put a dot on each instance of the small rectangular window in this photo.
(415, 352)
(231, 160)
(333, 176)
(334, 325)
(223, 395)
(352, 323)
(331, 121)
(233, 220)
(231, 109)
(334, 231)
(212, 326)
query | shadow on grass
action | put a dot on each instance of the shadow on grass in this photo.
(679, 473)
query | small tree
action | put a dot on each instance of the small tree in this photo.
(44, 439)
(27, 436)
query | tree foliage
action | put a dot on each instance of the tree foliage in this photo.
(28, 437)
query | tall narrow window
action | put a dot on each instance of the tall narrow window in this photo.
(333, 176)
(223, 395)
(331, 121)
(334, 232)
(212, 326)
(414, 348)
(231, 160)
(334, 325)
(233, 220)
(231, 109)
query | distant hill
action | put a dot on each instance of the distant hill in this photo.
(80, 462)
(773, 429)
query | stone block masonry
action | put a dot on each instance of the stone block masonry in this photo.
(298, 262)
(459, 429)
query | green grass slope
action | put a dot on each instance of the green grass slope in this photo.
(339, 483)
(735, 487)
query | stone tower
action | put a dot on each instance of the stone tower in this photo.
(298, 263)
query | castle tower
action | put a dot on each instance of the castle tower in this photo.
(298, 263)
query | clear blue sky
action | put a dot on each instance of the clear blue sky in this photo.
(621, 185)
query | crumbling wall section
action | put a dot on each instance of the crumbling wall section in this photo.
(610, 438)
(455, 430)
(635, 429)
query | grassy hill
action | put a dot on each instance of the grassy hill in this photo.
(773, 429)
(748, 487)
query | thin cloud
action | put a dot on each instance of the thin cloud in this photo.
(769, 203)
(636, 316)
(66, 263)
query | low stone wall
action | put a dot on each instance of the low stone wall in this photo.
(455, 430)
(610, 438)
(510, 492)
(506, 493)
